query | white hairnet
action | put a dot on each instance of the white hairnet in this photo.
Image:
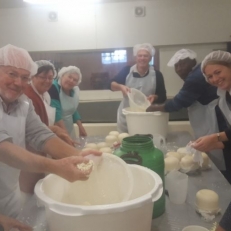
(17, 57)
(70, 69)
(219, 56)
(42, 63)
(181, 54)
(145, 46)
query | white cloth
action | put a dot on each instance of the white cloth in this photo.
(204, 122)
(223, 105)
(69, 106)
(10, 197)
(147, 85)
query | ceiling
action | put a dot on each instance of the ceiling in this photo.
(20, 3)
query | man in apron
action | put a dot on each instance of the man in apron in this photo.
(198, 96)
(140, 76)
(19, 125)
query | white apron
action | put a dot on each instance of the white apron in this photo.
(147, 85)
(223, 105)
(204, 122)
(51, 111)
(69, 106)
(10, 197)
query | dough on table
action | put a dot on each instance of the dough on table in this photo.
(110, 140)
(187, 163)
(114, 133)
(101, 145)
(207, 200)
(171, 163)
(91, 146)
(174, 154)
(205, 163)
(183, 152)
(122, 136)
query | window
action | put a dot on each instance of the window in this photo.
(118, 56)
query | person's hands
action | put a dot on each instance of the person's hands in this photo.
(155, 107)
(124, 89)
(67, 168)
(82, 131)
(207, 143)
(9, 224)
(63, 135)
(152, 98)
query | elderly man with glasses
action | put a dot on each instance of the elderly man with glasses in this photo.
(20, 126)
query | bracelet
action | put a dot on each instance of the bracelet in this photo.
(218, 137)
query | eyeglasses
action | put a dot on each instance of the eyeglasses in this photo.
(14, 76)
(44, 78)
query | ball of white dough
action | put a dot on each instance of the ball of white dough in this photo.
(122, 136)
(183, 152)
(187, 163)
(207, 200)
(101, 145)
(110, 140)
(91, 146)
(174, 154)
(205, 163)
(171, 163)
(105, 150)
(114, 133)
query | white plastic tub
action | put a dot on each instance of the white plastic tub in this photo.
(133, 215)
(146, 122)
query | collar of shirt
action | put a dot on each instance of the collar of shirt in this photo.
(10, 107)
(136, 74)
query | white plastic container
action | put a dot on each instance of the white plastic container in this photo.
(146, 122)
(132, 215)
(138, 101)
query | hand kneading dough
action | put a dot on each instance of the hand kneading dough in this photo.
(171, 163)
(207, 200)
(174, 154)
(122, 136)
(105, 150)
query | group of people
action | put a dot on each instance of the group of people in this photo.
(31, 129)
(38, 108)
(206, 93)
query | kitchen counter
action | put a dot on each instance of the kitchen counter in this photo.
(176, 217)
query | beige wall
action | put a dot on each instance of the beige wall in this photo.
(111, 25)
(168, 24)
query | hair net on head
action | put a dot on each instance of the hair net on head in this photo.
(70, 69)
(145, 46)
(42, 63)
(17, 57)
(181, 54)
(219, 56)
